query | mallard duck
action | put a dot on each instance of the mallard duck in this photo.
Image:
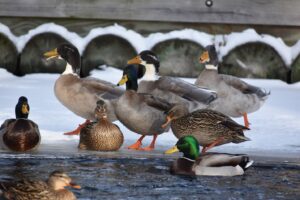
(173, 90)
(140, 112)
(28, 189)
(207, 164)
(80, 95)
(236, 98)
(211, 128)
(20, 134)
(102, 135)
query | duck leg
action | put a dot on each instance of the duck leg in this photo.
(206, 148)
(246, 122)
(151, 146)
(138, 143)
(77, 130)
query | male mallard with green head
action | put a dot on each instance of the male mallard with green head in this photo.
(211, 128)
(207, 164)
(173, 90)
(53, 189)
(20, 134)
(236, 98)
(80, 95)
(140, 112)
(101, 135)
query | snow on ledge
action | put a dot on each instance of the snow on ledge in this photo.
(71, 37)
(235, 39)
(224, 43)
(200, 38)
(134, 38)
(6, 31)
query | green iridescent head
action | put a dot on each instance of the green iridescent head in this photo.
(188, 145)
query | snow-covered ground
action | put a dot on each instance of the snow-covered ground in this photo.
(275, 128)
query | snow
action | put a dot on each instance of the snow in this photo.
(275, 128)
(236, 39)
(224, 43)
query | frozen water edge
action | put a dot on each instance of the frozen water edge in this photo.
(275, 128)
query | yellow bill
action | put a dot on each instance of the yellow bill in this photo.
(172, 150)
(51, 54)
(123, 80)
(135, 60)
(204, 57)
(25, 109)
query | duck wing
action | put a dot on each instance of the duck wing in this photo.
(185, 90)
(220, 159)
(156, 102)
(244, 87)
(104, 89)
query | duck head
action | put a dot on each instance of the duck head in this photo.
(70, 54)
(22, 108)
(209, 57)
(130, 77)
(58, 180)
(101, 110)
(188, 145)
(148, 64)
(174, 113)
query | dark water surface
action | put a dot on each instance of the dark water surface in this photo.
(106, 176)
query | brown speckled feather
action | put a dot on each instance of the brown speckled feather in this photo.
(207, 126)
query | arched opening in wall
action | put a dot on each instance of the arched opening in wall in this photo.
(8, 55)
(295, 70)
(254, 60)
(179, 57)
(32, 59)
(106, 49)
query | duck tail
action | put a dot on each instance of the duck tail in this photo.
(245, 163)
(264, 94)
(241, 138)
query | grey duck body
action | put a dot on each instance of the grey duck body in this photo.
(212, 164)
(235, 97)
(80, 95)
(140, 112)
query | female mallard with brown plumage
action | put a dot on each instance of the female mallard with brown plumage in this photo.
(53, 189)
(20, 134)
(102, 135)
(80, 95)
(236, 98)
(209, 127)
(207, 164)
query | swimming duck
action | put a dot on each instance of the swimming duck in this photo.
(207, 164)
(236, 98)
(173, 90)
(142, 113)
(20, 134)
(102, 135)
(211, 128)
(80, 95)
(28, 189)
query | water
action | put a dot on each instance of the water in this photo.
(133, 176)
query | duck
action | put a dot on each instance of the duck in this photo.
(101, 135)
(171, 89)
(236, 98)
(208, 164)
(141, 113)
(80, 95)
(20, 134)
(211, 128)
(53, 188)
